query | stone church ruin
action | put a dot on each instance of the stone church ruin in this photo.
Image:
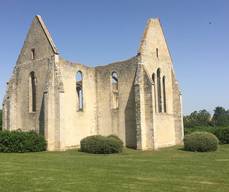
(137, 99)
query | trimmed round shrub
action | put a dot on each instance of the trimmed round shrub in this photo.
(100, 145)
(201, 142)
(223, 135)
(18, 141)
(116, 138)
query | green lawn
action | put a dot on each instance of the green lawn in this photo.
(167, 170)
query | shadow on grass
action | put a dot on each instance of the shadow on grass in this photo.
(181, 149)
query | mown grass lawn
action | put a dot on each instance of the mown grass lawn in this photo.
(167, 170)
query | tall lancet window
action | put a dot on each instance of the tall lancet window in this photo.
(159, 100)
(115, 91)
(79, 91)
(154, 90)
(32, 92)
(164, 93)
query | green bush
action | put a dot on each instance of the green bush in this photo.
(101, 145)
(116, 138)
(223, 135)
(0, 120)
(18, 141)
(220, 117)
(201, 142)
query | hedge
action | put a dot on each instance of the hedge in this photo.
(223, 135)
(18, 141)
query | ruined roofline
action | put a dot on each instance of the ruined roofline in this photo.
(150, 24)
(116, 62)
(45, 29)
(97, 66)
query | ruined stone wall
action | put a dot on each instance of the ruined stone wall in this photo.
(9, 105)
(98, 115)
(78, 124)
(27, 120)
(119, 121)
(148, 102)
(17, 96)
(37, 56)
(178, 116)
(154, 55)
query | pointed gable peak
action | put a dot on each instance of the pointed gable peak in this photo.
(45, 29)
(151, 23)
(153, 20)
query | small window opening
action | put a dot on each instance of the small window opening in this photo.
(115, 91)
(157, 54)
(79, 90)
(33, 53)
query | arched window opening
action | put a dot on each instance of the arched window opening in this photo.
(115, 92)
(79, 90)
(153, 78)
(32, 92)
(164, 94)
(154, 90)
(159, 91)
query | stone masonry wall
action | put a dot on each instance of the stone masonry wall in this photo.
(120, 121)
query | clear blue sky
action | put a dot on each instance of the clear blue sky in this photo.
(96, 32)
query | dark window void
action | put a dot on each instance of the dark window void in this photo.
(164, 94)
(79, 90)
(115, 91)
(154, 90)
(157, 53)
(32, 92)
(153, 78)
(33, 54)
(159, 90)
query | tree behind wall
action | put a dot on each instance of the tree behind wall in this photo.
(220, 117)
(203, 118)
(197, 118)
(0, 119)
